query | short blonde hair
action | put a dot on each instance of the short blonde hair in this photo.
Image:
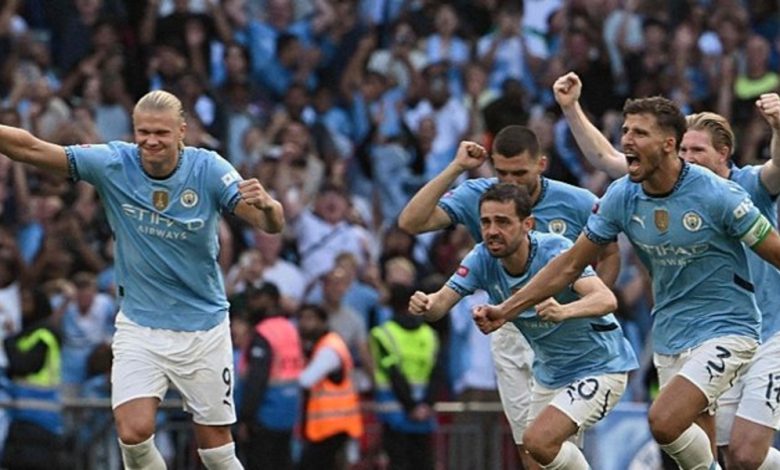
(160, 100)
(716, 126)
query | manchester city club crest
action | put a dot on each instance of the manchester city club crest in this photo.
(188, 198)
(557, 226)
(661, 218)
(691, 221)
(160, 199)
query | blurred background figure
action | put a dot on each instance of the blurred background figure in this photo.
(332, 407)
(405, 351)
(35, 437)
(268, 373)
(87, 322)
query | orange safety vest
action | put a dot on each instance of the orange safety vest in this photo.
(333, 408)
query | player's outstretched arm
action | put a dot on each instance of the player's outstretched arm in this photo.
(608, 264)
(596, 300)
(21, 146)
(596, 148)
(433, 306)
(768, 246)
(563, 270)
(768, 105)
(258, 208)
(422, 214)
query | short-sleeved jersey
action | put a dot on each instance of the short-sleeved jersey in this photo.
(165, 232)
(561, 208)
(565, 351)
(765, 276)
(689, 240)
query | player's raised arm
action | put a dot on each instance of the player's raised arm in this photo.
(559, 273)
(422, 214)
(768, 105)
(596, 148)
(258, 208)
(21, 146)
(433, 306)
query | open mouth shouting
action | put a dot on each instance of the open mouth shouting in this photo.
(633, 162)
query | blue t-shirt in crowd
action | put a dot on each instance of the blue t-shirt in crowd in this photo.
(561, 208)
(165, 231)
(564, 351)
(689, 240)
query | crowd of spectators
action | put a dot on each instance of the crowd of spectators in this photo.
(342, 109)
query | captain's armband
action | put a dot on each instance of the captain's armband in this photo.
(757, 232)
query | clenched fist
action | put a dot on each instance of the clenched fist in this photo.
(253, 193)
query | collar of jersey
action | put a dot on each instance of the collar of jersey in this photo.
(686, 167)
(178, 165)
(544, 183)
(532, 244)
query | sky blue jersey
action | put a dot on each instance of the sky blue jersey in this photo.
(165, 231)
(765, 276)
(562, 209)
(689, 240)
(565, 351)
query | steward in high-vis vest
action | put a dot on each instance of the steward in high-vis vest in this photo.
(34, 365)
(332, 410)
(268, 370)
(405, 351)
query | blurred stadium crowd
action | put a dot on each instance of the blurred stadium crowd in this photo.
(342, 109)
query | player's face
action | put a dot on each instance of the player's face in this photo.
(644, 146)
(522, 170)
(502, 230)
(696, 148)
(158, 135)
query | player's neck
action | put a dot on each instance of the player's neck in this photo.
(537, 192)
(516, 263)
(665, 177)
(161, 170)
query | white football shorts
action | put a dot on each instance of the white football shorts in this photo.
(512, 357)
(585, 401)
(199, 364)
(713, 367)
(756, 395)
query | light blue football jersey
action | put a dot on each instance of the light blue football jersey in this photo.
(689, 240)
(165, 232)
(562, 209)
(765, 276)
(565, 351)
